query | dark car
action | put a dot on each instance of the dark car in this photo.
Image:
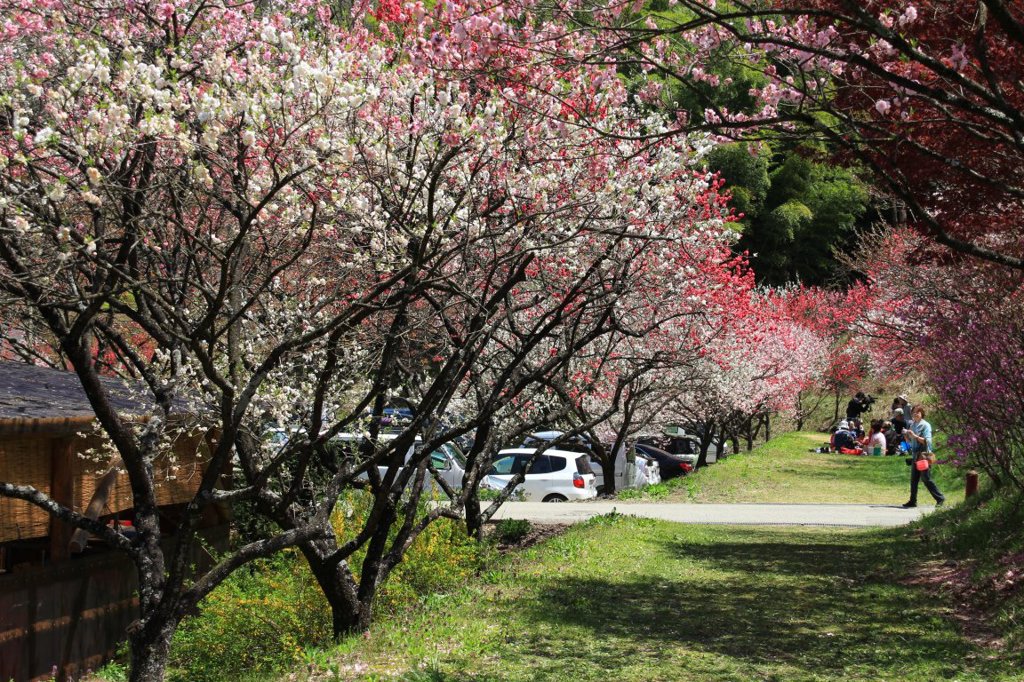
(671, 465)
(686, 439)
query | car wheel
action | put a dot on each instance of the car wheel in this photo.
(555, 498)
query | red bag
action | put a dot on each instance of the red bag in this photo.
(922, 464)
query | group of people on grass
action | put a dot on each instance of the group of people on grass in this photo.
(905, 432)
(884, 435)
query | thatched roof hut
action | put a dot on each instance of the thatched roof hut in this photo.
(65, 601)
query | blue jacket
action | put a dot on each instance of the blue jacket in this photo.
(924, 430)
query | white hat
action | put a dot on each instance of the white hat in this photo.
(904, 397)
(898, 410)
(844, 424)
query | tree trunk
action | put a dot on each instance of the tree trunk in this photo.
(373, 566)
(367, 594)
(608, 465)
(474, 524)
(337, 585)
(344, 618)
(150, 646)
(702, 458)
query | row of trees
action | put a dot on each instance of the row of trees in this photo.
(272, 220)
(927, 97)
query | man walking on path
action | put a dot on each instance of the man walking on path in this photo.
(919, 436)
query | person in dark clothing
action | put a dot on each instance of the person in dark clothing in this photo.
(843, 438)
(858, 405)
(899, 422)
(892, 441)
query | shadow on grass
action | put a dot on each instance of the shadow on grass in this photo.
(799, 604)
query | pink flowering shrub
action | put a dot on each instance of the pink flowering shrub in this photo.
(977, 368)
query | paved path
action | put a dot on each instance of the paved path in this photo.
(857, 515)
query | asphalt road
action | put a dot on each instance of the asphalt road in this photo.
(854, 515)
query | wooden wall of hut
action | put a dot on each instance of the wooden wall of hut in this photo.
(68, 468)
(68, 618)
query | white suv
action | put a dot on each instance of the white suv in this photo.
(556, 475)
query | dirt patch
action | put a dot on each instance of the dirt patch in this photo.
(538, 533)
(973, 598)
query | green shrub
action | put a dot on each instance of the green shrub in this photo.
(441, 559)
(116, 670)
(510, 531)
(260, 619)
(269, 615)
(654, 492)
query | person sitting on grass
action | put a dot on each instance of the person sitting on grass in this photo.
(844, 441)
(892, 441)
(875, 443)
(899, 422)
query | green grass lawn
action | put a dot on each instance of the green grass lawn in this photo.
(636, 599)
(783, 470)
(633, 599)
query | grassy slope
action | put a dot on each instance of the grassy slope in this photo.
(634, 599)
(784, 470)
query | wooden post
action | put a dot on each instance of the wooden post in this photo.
(62, 490)
(971, 482)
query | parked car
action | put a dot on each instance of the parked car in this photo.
(670, 465)
(628, 474)
(447, 459)
(685, 440)
(555, 476)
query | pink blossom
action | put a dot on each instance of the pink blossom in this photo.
(909, 16)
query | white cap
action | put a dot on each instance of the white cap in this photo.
(898, 410)
(844, 424)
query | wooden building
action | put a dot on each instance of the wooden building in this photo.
(65, 598)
